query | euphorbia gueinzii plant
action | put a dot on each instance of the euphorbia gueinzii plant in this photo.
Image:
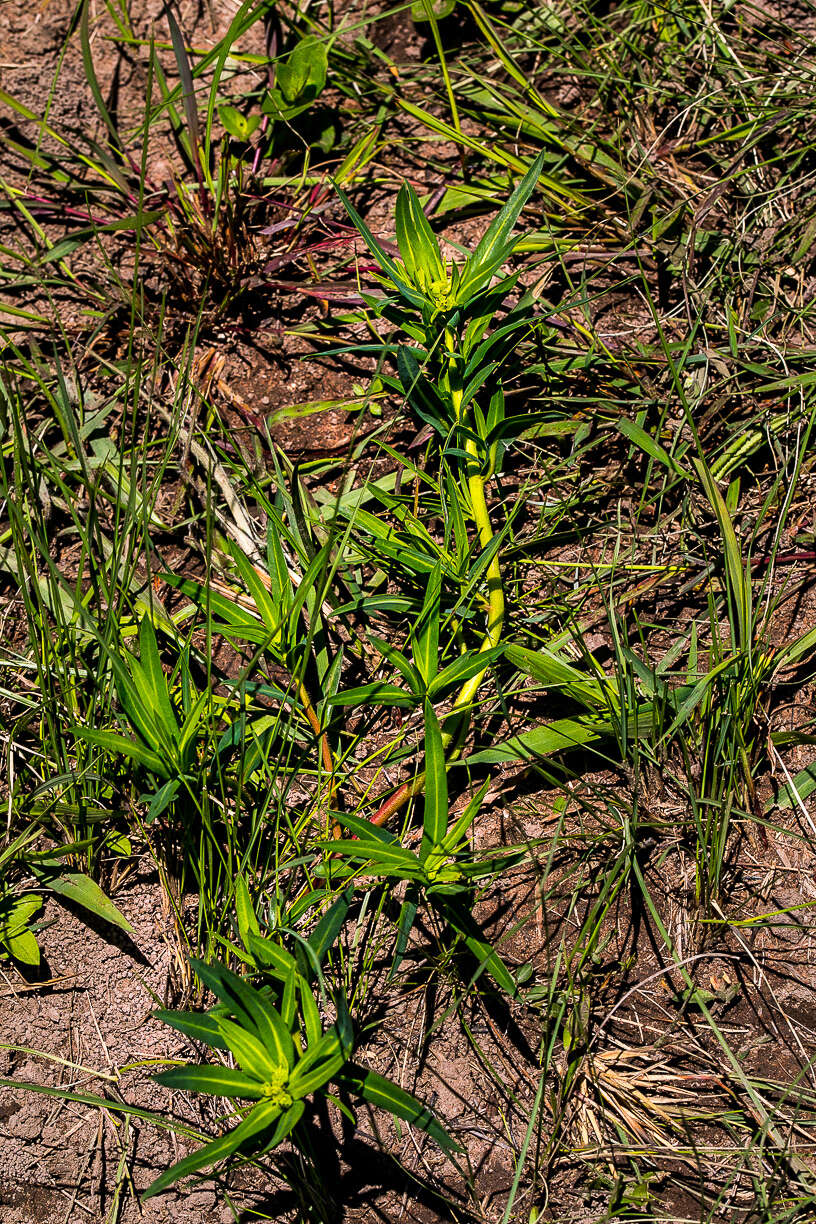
(449, 369)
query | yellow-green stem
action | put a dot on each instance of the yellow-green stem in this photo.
(453, 736)
(326, 754)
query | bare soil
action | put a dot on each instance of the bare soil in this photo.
(62, 1162)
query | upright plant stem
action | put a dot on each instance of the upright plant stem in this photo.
(454, 728)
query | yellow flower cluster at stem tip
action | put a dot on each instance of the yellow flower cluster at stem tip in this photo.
(275, 1088)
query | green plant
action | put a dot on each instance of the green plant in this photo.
(444, 870)
(454, 363)
(16, 913)
(234, 205)
(284, 1058)
(165, 745)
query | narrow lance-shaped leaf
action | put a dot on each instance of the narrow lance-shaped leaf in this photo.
(120, 745)
(198, 1025)
(385, 261)
(218, 1081)
(416, 240)
(738, 576)
(84, 891)
(425, 633)
(385, 1094)
(262, 1117)
(494, 246)
(477, 944)
(436, 786)
(154, 673)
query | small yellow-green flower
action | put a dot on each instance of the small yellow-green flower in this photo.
(275, 1088)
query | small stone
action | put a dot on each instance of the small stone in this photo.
(25, 1125)
(199, 1200)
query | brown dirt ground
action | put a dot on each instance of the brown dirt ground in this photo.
(58, 1161)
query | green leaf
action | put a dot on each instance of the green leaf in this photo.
(385, 1094)
(425, 632)
(245, 913)
(738, 576)
(251, 1009)
(647, 443)
(236, 124)
(367, 831)
(269, 609)
(199, 1025)
(323, 1059)
(257, 1056)
(262, 1117)
(436, 786)
(16, 912)
(417, 242)
(84, 891)
(130, 224)
(151, 663)
(800, 787)
(424, 10)
(375, 693)
(461, 825)
(22, 945)
(385, 261)
(564, 735)
(188, 97)
(494, 247)
(387, 861)
(462, 669)
(305, 70)
(272, 957)
(219, 1081)
(550, 670)
(328, 928)
(120, 745)
(481, 948)
(162, 799)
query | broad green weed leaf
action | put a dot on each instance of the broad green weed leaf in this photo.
(120, 745)
(487, 956)
(800, 787)
(495, 245)
(23, 946)
(375, 693)
(425, 632)
(245, 913)
(462, 669)
(255, 1057)
(237, 124)
(564, 735)
(198, 1025)
(428, 10)
(272, 957)
(328, 928)
(385, 261)
(417, 242)
(636, 434)
(738, 576)
(553, 672)
(304, 71)
(84, 891)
